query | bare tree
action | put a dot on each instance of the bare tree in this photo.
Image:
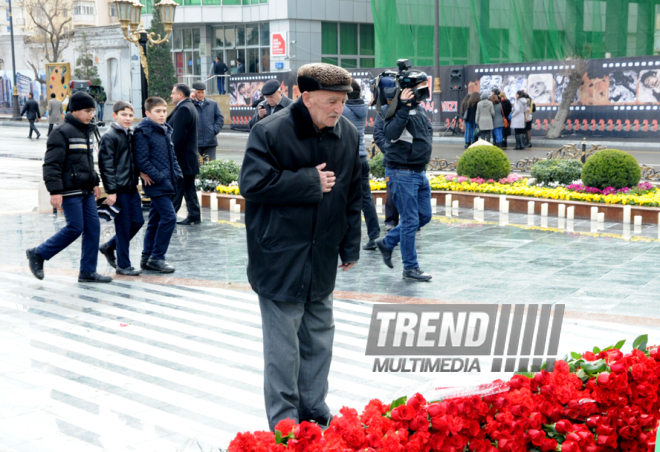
(574, 73)
(51, 23)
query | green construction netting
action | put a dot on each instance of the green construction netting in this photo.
(512, 31)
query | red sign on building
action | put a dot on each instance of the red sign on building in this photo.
(278, 45)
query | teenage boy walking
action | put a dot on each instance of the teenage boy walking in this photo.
(155, 158)
(120, 178)
(73, 185)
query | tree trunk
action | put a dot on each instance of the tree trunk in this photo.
(574, 82)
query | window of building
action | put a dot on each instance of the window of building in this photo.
(2, 65)
(84, 9)
(348, 45)
(185, 53)
(113, 10)
(248, 42)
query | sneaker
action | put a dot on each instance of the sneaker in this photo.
(93, 278)
(386, 252)
(36, 263)
(370, 245)
(109, 255)
(416, 274)
(130, 271)
(159, 265)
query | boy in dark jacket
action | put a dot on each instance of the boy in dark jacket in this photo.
(155, 158)
(73, 185)
(120, 178)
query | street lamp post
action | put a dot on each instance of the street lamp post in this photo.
(14, 100)
(437, 89)
(129, 12)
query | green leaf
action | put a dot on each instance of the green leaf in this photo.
(581, 374)
(398, 402)
(278, 437)
(620, 344)
(575, 355)
(640, 342)
(596, 350)
(595, 367)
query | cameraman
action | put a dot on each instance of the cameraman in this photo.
(407, 150)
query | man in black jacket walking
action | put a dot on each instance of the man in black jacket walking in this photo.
(301, 179)
(273, 102)
(219, 69)
(31, 110)
(184, 120)
(73, 185)
(210, 122)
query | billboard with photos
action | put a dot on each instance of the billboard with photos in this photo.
(619, 97)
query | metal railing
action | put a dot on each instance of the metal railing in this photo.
(210, 82)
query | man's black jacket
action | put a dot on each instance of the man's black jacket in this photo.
(117, 162)
(283, 103)
(69, 161)
(210, 122)
(155, 157)
(184, 120)
(31, 110)
(408, 139)
(295, 232)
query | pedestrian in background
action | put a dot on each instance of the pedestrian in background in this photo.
(518, 119)
(184, 120)
(272, 102)
(73, 185)
(101, 105)
(529, 116)
(469, 112)
(498, 121)
(356, 111)
(219, 69)
(484, 117)
(55, 112)
(210, 122)
(506, 113)
(32, 113)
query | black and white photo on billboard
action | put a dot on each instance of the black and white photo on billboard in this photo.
(649, 87)
(514, 83)
(561, 83)
(539, 88)
(623, 87)
(488, 83)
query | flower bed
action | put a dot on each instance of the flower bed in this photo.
(600, 400)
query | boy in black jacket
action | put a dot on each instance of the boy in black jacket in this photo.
(73, 185)
(120, 178)
(160, 172)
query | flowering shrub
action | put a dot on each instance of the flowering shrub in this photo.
(597, 401)
(641, 189)
(556, 171)
(611, 168)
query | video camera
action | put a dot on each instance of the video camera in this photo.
(404, 79)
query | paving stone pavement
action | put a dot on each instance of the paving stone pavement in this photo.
(145, 364)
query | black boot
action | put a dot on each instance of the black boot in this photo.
(93, 277)
(416, 274)
(36, 263)
(159, 265)
(109, 255)
(370, 245)
(386, 252)
(143, 262)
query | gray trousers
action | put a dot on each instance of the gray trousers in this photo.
(297, 340)
(207, 151)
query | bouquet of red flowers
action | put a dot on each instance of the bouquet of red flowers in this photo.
(597, 401)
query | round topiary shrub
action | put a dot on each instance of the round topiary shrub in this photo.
(561, 171)
(611, 168)
(376, 166)
(487, 162)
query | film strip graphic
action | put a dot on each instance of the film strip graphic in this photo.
(523, 342)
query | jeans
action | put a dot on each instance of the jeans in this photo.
(412, 196)
(50, 129)
(485, 135)
(186, 187)
(33, 127)
(101, 108)
(81, 219)
(470, 126)
(221, 84)
(128, 222)
(162, 221)
(498, 133)
(391, 214)
(368, 208)
(297, 341)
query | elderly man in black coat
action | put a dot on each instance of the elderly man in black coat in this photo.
(273, 102)
(210, 122)
(31, 110)
(301, 179)
(184, 120)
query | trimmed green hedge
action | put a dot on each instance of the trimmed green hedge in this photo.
(611, 168)
(376, 166)
(217, 172)
(561, 171)
(487, 162)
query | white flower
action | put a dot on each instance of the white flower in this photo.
(531, 181)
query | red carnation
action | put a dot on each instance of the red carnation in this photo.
(285, 426)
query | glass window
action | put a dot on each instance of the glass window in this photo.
(187, 38)
(231, 2)
(264, 31)
(349, 63)
(240, 35)
(193, 2)
(177, 40)
(367, 62)
(230, 36)
(367, 39)
(196, 37)
(265, 59)
(348, 39)
(212, 2)
(252, 34)
(252, 64)
(197, 63)
(330, 60)
(329, 38)
(188, 62)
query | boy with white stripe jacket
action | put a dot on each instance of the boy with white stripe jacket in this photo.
(73, 185)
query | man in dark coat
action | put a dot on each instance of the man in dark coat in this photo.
(219, 69)
(210, 122)
(31, 110)
(184, 120)
(273, 102)
(301, 179)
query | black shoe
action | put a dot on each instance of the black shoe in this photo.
(109, 255)
(143, 262)
(387, 253)
(529, 145)
(130, 271)
(323, 421)
(159, 265)
(36, 263)
(370, 245)
(38, 136)
(416, 274)
(188, 222)
(93, 277)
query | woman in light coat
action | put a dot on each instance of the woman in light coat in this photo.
(518, 119)
(55, 112)
(484, 117)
